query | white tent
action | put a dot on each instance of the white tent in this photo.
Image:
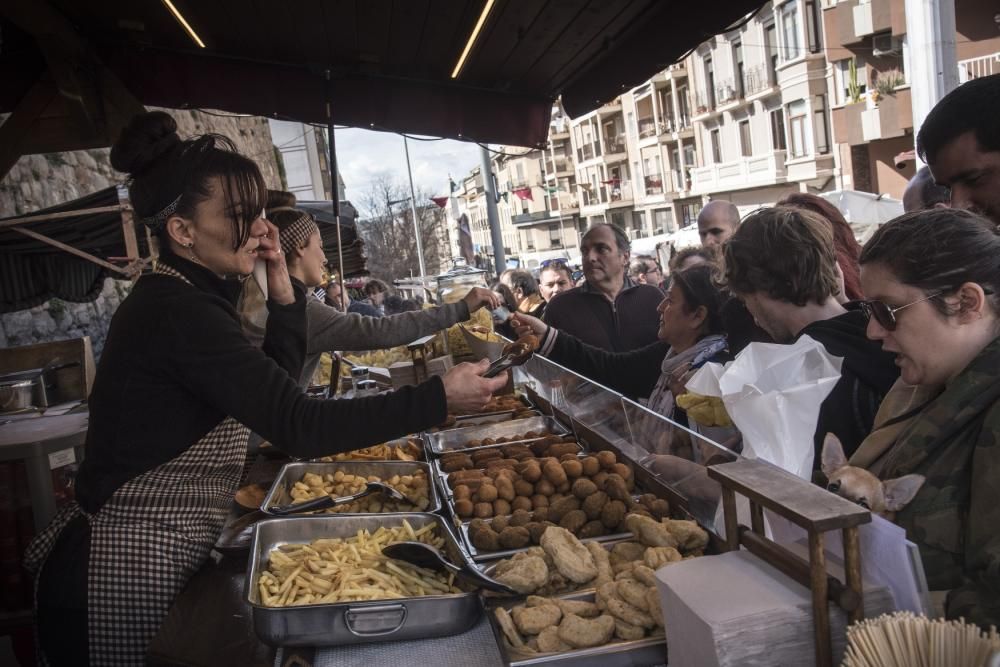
(864, 211)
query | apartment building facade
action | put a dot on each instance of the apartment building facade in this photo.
(805, 96)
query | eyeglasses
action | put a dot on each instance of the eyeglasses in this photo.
(886, 316)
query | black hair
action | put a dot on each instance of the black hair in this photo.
(163, 169)
(930, 192)
(937, 251)
(700, 287)
(972, 107)
(524, 280)
(375, 286)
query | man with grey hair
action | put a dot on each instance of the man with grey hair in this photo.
(923, 193)
(717, 222)
(609, 310)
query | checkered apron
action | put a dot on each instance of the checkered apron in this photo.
(149, 538)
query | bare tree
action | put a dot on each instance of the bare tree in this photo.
(386, 225)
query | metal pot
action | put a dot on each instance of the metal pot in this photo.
(15, 395)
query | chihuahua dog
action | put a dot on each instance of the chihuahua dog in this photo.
(884, 498)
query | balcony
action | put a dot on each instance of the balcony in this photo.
(727, 93)
(704, 104)
(681, 182)
(593, 196)
(974, 68)
(621, 193)
(654, 184)
(614, 144)
(856, 124)
(646, 127)
(746, 172)
(588, 152)
(559, 167)
(612, 107)
(759, 80)
(851, 22)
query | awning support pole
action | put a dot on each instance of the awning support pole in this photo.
(335, 187)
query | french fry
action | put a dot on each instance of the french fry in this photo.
(334, 570)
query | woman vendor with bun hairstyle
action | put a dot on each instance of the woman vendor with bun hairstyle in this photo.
(178, 389)
(329, 328)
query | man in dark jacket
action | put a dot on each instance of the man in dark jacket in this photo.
(608, 311)
(781, 263)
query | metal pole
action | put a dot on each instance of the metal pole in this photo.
(499, 261)
(555, 172)
(413, 210)
(335, 187)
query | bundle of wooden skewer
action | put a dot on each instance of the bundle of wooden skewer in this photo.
(905, 640)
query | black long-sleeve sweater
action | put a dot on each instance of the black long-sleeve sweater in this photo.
(177, 363)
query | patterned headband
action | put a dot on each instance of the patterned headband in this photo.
(159, 219)
(297, 234)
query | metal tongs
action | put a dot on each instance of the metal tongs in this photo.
(428, 557)
(513, 354)
(326, 502)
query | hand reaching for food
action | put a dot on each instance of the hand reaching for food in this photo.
(467, 391)
(526, 324)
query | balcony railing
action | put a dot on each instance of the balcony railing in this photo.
(704, 102)
(558, 166)
(594, 196)
(671, 124)
(654, 184)
(647, 127)
(622, 191)
(763, 169)
(614, 144)
(726, 92)
(757, 79)
(681, 181)
(588, 152)
(974, 68)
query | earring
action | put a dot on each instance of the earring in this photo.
(190, 246)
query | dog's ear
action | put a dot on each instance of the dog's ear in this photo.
(900, 491)
(833, 458)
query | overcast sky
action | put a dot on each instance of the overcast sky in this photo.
(366, 154)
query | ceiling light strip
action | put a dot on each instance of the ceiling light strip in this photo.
(187, 26)
(472, 38)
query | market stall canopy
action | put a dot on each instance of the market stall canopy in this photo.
(32, 271)
(392, 62)
(864, 211)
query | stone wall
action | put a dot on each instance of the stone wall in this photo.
(39, 181)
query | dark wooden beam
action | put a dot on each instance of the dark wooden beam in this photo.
(18, 125)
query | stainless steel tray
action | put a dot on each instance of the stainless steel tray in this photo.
(641, 652)
(480, 420)
(488, 567)
(457, 439)
(353, 622)
(293, 472)
(397, 442)
(442, 476)
(483, 556)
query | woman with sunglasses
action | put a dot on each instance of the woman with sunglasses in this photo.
(933, 279)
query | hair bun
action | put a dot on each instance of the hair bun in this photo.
(146, 138)
(280, 199)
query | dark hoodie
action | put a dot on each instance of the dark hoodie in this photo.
(865, 377)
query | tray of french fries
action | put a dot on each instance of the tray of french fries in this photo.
(302, 481)
(323, 581)
(410, 448)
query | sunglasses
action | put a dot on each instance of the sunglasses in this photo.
(886, 316)
(554, 263)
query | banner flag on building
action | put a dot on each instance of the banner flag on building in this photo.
(524, 193)
(440, 201)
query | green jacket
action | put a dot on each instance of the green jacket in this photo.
(955, 517)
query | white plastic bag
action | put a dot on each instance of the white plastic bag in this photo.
(773, 394)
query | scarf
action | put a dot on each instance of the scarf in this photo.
(661, 401)
(899, 408)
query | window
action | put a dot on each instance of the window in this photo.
(790, 31)
(529, 241)
(689, 213)
(739, 69)
(771, 49)
(814, 29)
(842, 79)
(661, 221)
(683, 106)
(709, 82)
(618, 218)
(746, 146)
(519, 168)
(555, 236)
(778, 141)
(716, 146)
(797, 117)
(638, 223)
(821, 126)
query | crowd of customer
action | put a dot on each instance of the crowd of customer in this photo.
(194, 361)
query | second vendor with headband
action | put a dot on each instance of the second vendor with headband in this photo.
(329, 328)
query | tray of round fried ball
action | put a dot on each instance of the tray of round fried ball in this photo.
(490, 538)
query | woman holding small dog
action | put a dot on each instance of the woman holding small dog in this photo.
(933, 282)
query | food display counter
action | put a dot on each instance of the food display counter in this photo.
(572, 455)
